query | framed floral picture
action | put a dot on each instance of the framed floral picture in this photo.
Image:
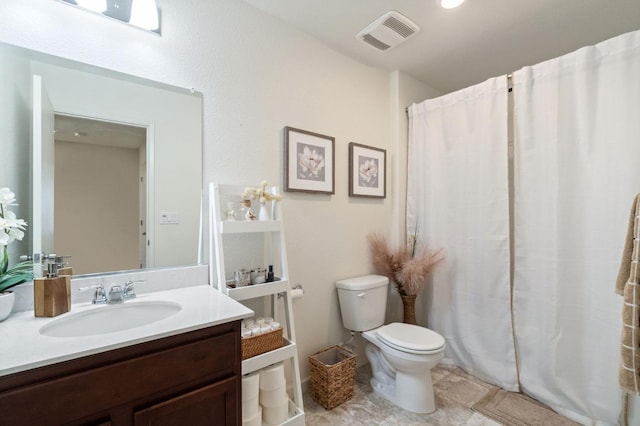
(309, 161)
(367, 171)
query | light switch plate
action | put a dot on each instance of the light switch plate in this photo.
(169, 218)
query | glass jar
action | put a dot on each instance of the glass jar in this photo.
(258, 276)
(246, 211)
(230, 213)
(242, 278)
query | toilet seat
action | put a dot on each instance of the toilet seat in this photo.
(410, 338)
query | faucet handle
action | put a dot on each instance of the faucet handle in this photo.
(99, 296)
(129, 291)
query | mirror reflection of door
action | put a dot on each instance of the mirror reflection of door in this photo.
(100, 165)
(42, 122)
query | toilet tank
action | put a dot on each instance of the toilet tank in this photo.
(363, 301)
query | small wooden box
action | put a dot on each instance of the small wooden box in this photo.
(51, 296)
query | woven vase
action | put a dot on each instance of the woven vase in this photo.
(409, 309)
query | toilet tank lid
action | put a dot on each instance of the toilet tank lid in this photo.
(365, 282)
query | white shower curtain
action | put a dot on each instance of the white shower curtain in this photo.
(577, 169)
(458, 196)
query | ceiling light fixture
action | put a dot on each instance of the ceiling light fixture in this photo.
(144, 14)
(140, 13)
(450, 4)
(98, 6)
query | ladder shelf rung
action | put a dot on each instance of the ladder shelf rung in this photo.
(288, 350)
(258, 290)
(249, 226)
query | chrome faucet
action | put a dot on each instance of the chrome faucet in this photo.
(117, 294)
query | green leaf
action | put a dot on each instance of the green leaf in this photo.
(21, 267)
(18, 274)
(9, 281)
(4, 261)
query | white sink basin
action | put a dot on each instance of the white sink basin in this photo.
(110, 318)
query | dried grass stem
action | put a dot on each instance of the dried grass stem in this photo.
(409, 273)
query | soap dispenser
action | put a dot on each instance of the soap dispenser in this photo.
(64, 270)
(51, 294)
(270, 276)
(63, 267)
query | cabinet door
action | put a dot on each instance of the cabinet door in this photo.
(210, 405)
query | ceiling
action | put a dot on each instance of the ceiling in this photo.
(96, 132)
(459, 47)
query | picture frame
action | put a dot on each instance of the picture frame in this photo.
(367, 171)
(309, 161)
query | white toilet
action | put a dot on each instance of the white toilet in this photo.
(401, 355)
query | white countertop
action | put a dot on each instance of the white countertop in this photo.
(22, 347)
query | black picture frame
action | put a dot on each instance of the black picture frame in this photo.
(309, 162)
(367, 171)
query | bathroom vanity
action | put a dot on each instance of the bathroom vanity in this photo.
(184, 369)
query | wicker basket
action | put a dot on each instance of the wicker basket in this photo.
(333, 372)
(256, 345)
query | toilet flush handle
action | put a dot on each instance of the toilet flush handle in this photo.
(361, 294)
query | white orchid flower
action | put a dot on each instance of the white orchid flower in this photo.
(4, 238)
(15, 234)
(7, 197)
(11, 228)
(10, 221)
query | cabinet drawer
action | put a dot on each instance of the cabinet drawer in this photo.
(97, 390)
(209, 405)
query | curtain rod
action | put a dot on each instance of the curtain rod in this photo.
(509, 77)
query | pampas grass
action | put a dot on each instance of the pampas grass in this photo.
(408, 270)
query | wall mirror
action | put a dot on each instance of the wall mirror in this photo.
(115, 170)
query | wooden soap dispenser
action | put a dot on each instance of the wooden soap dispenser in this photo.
(51, 294)
(66, 271)
(63, 267)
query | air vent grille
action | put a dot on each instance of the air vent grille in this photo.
(369, 39)
(388, 31)
(398, 26)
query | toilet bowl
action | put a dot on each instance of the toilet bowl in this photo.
(402, 367)
(401, 355)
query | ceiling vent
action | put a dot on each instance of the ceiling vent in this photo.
(388, 31)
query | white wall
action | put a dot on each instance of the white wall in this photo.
(257, 76)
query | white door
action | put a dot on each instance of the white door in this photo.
(42, 122)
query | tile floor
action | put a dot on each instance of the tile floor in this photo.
(456, 392)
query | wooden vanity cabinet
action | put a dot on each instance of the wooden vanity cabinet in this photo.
(188, 379)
